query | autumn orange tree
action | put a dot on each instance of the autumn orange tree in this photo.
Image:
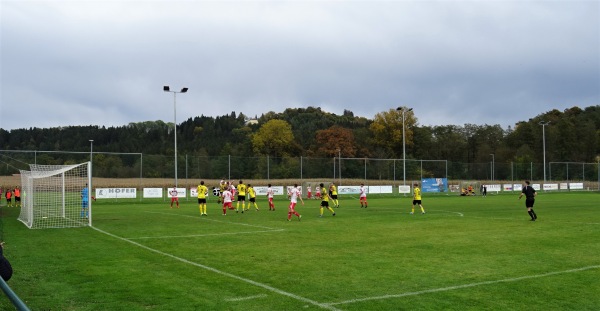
(335, 140)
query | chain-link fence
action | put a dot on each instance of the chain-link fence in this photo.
(137, 165)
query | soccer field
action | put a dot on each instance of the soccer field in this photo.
(465, 253)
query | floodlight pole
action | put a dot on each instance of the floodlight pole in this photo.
(543, 124)
(403, 144)
(91, 149)
(492, 175)
(340, 165)
(183, 90)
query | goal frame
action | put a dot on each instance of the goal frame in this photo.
(52, 196)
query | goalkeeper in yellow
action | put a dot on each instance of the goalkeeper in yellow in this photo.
(417, 199)
(202, 192)
(252, 195)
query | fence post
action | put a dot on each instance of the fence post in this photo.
(16, 301)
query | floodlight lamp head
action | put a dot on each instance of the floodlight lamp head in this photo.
(184, 90)
(166, 88)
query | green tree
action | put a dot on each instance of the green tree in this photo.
(387, 130)
(273, 138)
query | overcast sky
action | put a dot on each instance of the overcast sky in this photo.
(454, 62)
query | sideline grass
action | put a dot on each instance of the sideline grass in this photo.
(468, 253)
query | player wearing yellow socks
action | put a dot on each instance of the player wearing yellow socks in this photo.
(325, 203)
(202, 191)
(241, 197)
(417, 199)
(252, 195)
(333, 194)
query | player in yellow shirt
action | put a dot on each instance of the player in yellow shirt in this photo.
(202, 192)
(333, 194)
(417, 199)
(325, 203)
(252, 195)
(241, 196)
(222, 188)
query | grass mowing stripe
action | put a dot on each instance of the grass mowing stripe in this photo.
(220, 221)
(544, 220)
(449, 288)
(201, 235)
(233, 276)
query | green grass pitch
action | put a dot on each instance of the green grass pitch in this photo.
(465, 253)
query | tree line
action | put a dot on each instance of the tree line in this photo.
(572, 135)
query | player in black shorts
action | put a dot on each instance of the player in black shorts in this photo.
(530, 195)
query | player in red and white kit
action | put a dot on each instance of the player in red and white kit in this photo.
(270, 197)
(363, 196)
(318, 194)
(227, 199)
(174, 197)
(294, 196)
(308, 192)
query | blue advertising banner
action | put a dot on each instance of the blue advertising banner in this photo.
(434, 185)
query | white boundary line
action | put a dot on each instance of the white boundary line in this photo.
(449, 288)
(458, 213)
(233, 276)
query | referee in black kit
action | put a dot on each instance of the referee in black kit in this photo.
(530, 195)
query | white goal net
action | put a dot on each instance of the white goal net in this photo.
(56, 196)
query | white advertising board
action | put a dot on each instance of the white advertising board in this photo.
(549, 187)
(277, 190)
(114, 193)
(153, 193)
(576, 186)
(494, 188)
(348, 189)
(180, 192)
(403, 189)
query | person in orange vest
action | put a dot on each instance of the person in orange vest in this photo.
(8, 197)
(17, 197)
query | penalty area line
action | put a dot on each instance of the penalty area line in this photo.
(202, 235)
(223, 273)
(449, 288)
(246, 298)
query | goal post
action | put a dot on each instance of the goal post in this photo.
(56, 196)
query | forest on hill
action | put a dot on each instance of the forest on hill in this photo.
(572, 135)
